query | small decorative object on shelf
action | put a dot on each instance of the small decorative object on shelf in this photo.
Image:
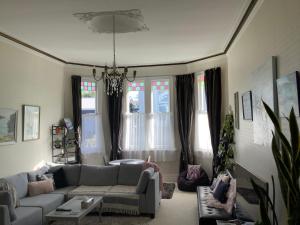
(63, 145)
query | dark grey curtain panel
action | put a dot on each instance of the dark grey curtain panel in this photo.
(213, 91)
(185, 108)
(115, 123)
(77, 116)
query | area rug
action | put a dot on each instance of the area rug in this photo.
(168, 190)
(109, 220)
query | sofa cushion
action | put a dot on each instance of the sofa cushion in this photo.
(99, 175)
(143, 180)
(47, 202)
(6, 199)
(129, 174)
(72, 174)
(89, 190)
(28, 216)
(20, 182)
(64, 190)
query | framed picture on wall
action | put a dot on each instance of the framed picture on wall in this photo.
(247, 106)
(236, 110)
(8, 126)
(288, 88)
(31, 122)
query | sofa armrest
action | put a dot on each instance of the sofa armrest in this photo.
(153, 195)
(4, 215)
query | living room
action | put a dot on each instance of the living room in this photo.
(50, 52)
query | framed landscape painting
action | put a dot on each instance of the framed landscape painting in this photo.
(8, 126)
(31, 122)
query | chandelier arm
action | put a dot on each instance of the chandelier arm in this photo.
(133, 79)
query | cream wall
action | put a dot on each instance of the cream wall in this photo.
(274, 30)
(27, 78)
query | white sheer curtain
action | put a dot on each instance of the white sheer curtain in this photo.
(134, 138)
(202, 140)
(149, 134)
(161, 132)
(92, 143)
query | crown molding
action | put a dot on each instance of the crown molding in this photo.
(235, 34)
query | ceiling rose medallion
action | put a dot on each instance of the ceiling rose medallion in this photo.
(123, 21)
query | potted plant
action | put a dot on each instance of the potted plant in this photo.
(287, 158)
(226, 146)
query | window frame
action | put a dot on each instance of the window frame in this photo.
(98, 93)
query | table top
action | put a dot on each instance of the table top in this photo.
(75, 205)
(126, 161)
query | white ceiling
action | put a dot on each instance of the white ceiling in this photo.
(180, 30)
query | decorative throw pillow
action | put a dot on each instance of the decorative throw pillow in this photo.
(40, 187)
(221, 177)
(231, 199)
(231, 196)
(32, 176)
(6, 186)
(214, 183)
(221, 191)
(193, 172)
(143, 180)
(6, 199)
(60, 178)
(44, 177)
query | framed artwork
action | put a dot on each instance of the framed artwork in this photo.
(288, 88)
(263, 80)
(8, 126)
(247, 106)
(31, 122)
(236, 111)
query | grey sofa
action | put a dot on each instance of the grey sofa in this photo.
(120, 186)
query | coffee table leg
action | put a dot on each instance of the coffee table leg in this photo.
(100, 212)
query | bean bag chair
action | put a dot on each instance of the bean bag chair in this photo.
(186, 183)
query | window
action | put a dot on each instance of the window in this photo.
(136, 96)
(202, 132)
(92, 141)
(148, 120)
(88, 97)
(160, 96)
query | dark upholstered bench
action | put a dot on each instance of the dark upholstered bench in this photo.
(208, 215)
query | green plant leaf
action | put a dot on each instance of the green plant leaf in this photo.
(287, 178)
(294, 131)
(272, 116)
(263, 203)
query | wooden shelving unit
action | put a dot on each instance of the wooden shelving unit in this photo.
(63, 146)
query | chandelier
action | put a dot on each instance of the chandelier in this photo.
(112, 77)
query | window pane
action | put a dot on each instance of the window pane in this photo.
(160, 96)
(136, 97)
(88, 97)
(202, 108)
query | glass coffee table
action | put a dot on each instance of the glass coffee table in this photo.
(74, 212)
